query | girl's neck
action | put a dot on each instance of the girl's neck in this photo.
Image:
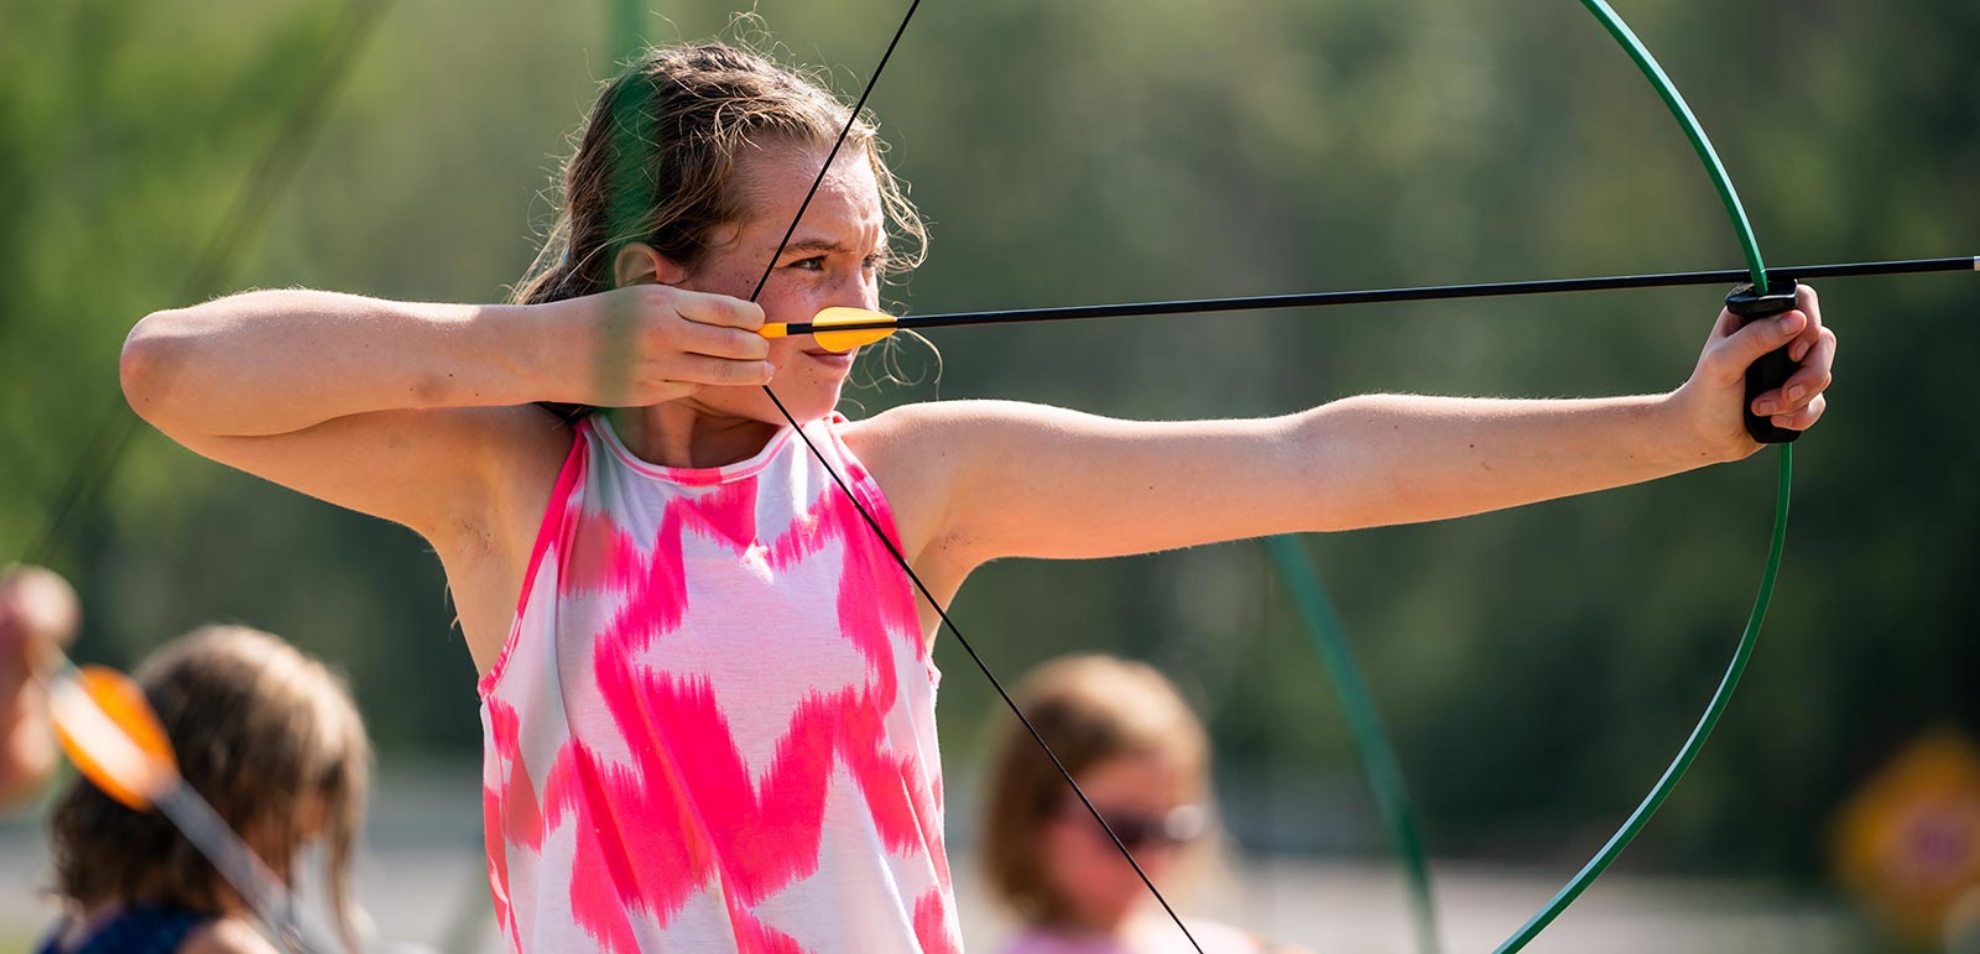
(678, 434)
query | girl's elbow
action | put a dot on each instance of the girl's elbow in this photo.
(146, 365)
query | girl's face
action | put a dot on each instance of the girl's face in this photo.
(1150, 802)
(833, 259)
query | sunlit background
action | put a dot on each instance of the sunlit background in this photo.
(1537, 668)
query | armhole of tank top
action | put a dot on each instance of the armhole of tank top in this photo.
(554, 515)
(862, 480)
(875, 497)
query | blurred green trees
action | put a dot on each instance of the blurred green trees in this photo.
(1537, 666)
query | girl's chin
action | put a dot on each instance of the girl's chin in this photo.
(807, 403)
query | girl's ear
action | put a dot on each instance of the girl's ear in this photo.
(640, 264)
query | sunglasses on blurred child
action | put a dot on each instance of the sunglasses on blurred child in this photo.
(1138, 829)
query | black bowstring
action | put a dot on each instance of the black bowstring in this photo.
(872, 523)
(272, 172)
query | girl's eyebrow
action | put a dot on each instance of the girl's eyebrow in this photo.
(814, 246)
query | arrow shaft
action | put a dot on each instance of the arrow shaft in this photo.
(1393, 295)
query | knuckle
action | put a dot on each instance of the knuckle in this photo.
(663, 334)
(650, 296)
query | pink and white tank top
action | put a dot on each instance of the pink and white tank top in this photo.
(713, 725)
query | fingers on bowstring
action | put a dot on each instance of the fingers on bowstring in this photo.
(719, 341)
(719, 310)
(702, 369)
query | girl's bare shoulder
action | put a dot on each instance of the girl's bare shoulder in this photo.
(931, 427)
(925, 457)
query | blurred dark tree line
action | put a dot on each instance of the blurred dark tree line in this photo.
(1537, 667)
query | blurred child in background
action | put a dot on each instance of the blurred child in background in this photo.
(268, 736)
(1143, 757)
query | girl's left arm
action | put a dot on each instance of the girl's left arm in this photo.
(989, 479)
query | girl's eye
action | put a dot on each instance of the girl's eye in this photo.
(816, 263)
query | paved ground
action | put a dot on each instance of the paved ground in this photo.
(422, 881)
(414, 892)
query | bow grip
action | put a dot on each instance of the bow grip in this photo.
(1774, 367)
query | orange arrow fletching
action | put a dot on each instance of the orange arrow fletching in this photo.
(844, 341)
(109, 731)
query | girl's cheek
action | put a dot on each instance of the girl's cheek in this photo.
(785, 350)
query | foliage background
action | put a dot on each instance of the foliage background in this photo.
(1537, 667)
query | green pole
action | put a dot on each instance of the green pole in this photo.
(1371, 741)
(628, 28)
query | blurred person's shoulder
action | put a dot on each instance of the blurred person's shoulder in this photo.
(226, 936)
(1215, 937)
(1153, 937)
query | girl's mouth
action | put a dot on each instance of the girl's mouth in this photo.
(832, 359)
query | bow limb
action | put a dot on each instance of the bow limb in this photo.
(1721, 697)
(1371, 741)
(1675, 771)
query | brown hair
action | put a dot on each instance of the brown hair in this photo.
(259, 729)
(1090, 710)
(657, 159)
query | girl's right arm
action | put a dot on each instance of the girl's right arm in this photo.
(421, 413)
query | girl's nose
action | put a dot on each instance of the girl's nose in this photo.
(855, 290)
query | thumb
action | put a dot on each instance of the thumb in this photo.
(1733, 354)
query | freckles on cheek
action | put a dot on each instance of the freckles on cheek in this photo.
(731, 275)
(738, 283)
